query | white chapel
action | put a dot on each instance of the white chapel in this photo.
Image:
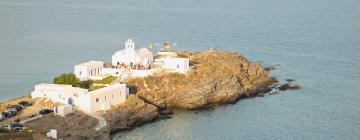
(129, 55)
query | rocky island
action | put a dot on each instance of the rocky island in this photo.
(215, 78)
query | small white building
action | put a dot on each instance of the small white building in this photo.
(58, 93)
(52, 134)
(180, 65)
(89, 70)
(63, 110)
(100, 99)
(129, 55)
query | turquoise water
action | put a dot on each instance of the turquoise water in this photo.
(316, 42)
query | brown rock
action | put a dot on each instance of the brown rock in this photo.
(217, 77)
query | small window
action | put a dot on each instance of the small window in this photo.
(44, 94)
(97, 99)
(178, 66)
(80, 72)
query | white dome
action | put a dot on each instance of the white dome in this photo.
(144, 52)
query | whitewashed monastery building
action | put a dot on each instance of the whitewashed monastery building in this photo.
(180, 65)
(82, 99)
(89, 70)
(121, 61)
(170, 62)
(129, 55)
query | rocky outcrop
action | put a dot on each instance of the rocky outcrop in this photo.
(82, 126)
(123, 119)
(216, 77)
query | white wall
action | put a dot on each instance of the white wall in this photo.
(57, 93)
(87, 70)
(103, 99)
(81, 73)
(112, 71)
(180, 65)
(124, 58)
(83, 103)
(141, 73)
(146, 59)
(63, 110)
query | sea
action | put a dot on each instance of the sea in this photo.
(315, 42)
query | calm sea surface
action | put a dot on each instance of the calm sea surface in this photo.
(316, 42)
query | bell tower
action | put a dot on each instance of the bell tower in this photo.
(130, 46)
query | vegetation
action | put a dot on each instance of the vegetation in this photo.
(134, 100)
(107, 80)
(183, 54)
(95, 87)
(85, 84)
(67, 79)
(101, 83)
(70, 79)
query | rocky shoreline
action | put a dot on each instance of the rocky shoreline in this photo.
(216, 78)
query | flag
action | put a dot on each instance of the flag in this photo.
(150, 46)
(167, 46)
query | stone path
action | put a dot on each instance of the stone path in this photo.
(100, 118)
(30, 119)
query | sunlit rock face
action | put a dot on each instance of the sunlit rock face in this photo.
(216, 77)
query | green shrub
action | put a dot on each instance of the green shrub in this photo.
(67, 79)
(85, 84)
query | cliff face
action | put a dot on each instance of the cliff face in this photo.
(123, 119)
(216, 78)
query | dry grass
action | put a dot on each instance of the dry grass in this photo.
(101, 83)
(134, 100)
(16, 136)
(107, 80)
(184, 54)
